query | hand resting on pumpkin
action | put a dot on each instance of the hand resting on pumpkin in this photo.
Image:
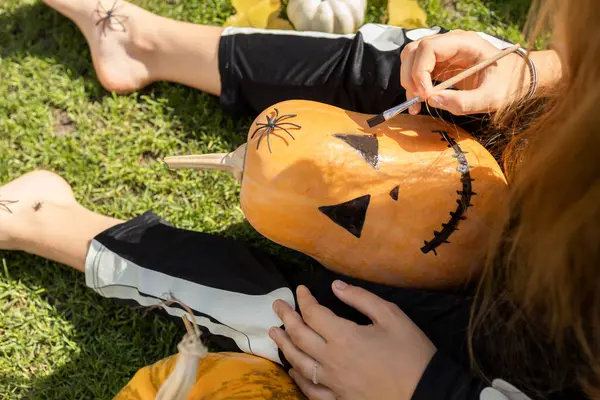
(384, 360)
(441, 57)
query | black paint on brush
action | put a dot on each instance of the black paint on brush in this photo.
(376, 120)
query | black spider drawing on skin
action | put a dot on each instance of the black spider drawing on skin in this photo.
(4, 206)
(273, 124)
(107, 17)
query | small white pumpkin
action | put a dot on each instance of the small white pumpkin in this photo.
(331, 16)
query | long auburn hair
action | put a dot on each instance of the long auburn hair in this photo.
(537, 307)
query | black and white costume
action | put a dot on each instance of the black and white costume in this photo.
(230, 286)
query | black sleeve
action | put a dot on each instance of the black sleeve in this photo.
(360, 72)
(444, 379)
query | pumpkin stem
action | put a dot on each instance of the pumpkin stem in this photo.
(232, 162)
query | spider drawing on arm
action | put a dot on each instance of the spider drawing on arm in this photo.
(4, 206)
(273, 124)
(108, 16)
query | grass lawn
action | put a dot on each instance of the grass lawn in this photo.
(59, 340)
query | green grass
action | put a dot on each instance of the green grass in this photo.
(59, 340)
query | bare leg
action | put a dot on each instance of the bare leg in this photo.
(136, 47)
(46, 220)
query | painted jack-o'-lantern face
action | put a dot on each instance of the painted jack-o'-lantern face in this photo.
(407, 203)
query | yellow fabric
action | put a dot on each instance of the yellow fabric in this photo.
(262, 14)
(220, 376)
(406, 13)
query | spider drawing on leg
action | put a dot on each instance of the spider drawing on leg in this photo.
(108, 16)
(273, 124)
(37, 206)
(4, 206)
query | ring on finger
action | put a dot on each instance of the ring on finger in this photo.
(315, 371)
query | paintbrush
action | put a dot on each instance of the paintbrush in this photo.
(392, 112)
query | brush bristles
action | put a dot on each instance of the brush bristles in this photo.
(376, 120)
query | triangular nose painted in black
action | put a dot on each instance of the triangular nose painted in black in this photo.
(394, 193)
(349, 215)
(366, 145)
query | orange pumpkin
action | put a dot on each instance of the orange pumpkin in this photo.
(220, 376)
(407, 203)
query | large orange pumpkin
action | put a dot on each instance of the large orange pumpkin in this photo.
(220, 376)
(407, 203)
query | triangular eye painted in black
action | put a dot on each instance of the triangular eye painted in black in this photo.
(349, 215)
(366, 145)
(394, 193)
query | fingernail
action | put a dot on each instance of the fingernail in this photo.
(272, 332)
(292, 373)
(339, 285)
(302, 291)
(276, 306)
(436, 101)
(413, 110)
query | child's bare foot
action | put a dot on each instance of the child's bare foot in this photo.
(121, 45)
(24, 197)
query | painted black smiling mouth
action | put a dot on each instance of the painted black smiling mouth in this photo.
(464, 202)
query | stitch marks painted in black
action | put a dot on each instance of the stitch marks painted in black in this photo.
(464, 202)
(273, 124)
